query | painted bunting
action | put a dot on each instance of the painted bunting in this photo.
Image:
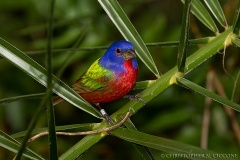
(110, 77)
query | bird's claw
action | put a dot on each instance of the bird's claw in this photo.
(135, 97)
(108, 119)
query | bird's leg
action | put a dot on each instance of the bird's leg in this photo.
(134, 97)
(105, 115)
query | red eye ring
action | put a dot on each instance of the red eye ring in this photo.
(118, 51)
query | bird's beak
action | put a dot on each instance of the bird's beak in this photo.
(129, 54)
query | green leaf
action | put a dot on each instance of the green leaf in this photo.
(29, 96)
(183, 44)
(37, 72)
(75, 151)
(191, 42)
(236, 20)
(202, 14)
(216, 9)
(52, 138)
(206, 52)
(142, 84)
(11, 144)
(162, 144)
(121, 21)
(31, 126)
(207, 93)
(236, 41)
(143, 151)
(168, 120)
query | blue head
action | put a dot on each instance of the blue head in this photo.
(117, 54)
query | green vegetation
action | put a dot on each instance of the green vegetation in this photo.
(189, 77)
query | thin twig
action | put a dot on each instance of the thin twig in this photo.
(236, 81)
(230, 112)
(84, 132)
(192, 42)
(206, 114)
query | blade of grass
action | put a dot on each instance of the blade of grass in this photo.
(29, 96)
(216, 9)
(143, 84)
(52, 138)
(37, 72)
(31, 126)
(236, 20)
(121, 21)
(82, 146)
(183, 44)
(207, 93)
(202, 14)
(230, 113)
(206, 52)
(192, 42)
(168, 120)
(236, 41)
(11, 144)
(162, 144)
(143, 151)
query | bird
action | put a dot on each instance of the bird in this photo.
(110, 77)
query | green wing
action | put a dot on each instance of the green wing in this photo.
(95, 78)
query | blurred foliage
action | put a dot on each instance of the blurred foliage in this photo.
(175, 114)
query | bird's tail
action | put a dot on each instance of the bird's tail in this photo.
(57, 100)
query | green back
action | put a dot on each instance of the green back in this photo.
(95, 78)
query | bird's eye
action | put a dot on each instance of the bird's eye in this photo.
(118, 51)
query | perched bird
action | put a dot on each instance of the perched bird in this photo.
(110, 77)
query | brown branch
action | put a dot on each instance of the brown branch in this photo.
(230, 112)
(206, 114)
(81, 133)
(84, 132)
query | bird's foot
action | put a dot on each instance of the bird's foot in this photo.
(135, 97)
(107, 117)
